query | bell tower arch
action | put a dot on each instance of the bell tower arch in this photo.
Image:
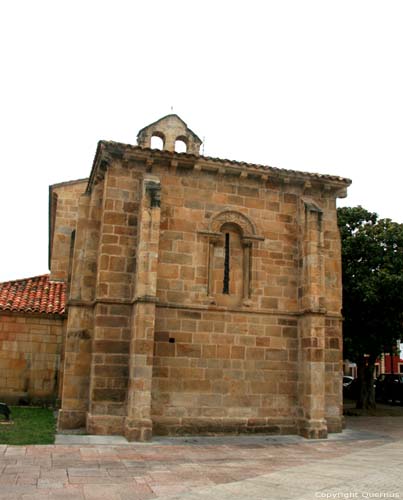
(175, 134)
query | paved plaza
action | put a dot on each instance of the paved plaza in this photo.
(365, 461)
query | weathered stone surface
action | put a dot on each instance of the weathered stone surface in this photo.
(209, 292)
(30, 351)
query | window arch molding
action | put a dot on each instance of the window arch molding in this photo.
(248, 234)
(247, 227)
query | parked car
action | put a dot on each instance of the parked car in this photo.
(349, 387)
(389, 387)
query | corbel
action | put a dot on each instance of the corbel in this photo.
(311, 206)
(149, 164)
(153, 189)
(341, 193)
(104, 164)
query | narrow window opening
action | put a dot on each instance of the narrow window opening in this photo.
(71, 254)
(226, 265)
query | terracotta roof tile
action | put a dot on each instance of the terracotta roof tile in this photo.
(37, 295)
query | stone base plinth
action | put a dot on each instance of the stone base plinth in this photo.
(335, 424)
(172, 426)
(138, 430)
(70, 419)
(313, 429)
(104, 424)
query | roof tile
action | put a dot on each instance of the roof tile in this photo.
(38, 295)
(255, 166)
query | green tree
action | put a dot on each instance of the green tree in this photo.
(372, 260)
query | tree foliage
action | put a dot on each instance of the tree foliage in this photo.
(372, 260)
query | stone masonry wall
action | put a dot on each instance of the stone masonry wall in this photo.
(98, 332)
(80, 325)
(189, 200)
(112, 314)
(235, 367)
(30, 347)
(165, 349)
(64, 223)
(222, 371)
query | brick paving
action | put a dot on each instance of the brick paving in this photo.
(187, 467)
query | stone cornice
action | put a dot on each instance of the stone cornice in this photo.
(108, 151)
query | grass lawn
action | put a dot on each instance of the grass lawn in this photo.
(30, 426)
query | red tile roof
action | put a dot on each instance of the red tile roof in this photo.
(37, 295)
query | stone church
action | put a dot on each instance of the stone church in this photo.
(204, 294)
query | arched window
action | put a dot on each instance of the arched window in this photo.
(228, 265)
(157, 141)
(232, 275)
(180, 145)
(230, 258)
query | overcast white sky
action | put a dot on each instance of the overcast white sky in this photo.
(306, 85)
